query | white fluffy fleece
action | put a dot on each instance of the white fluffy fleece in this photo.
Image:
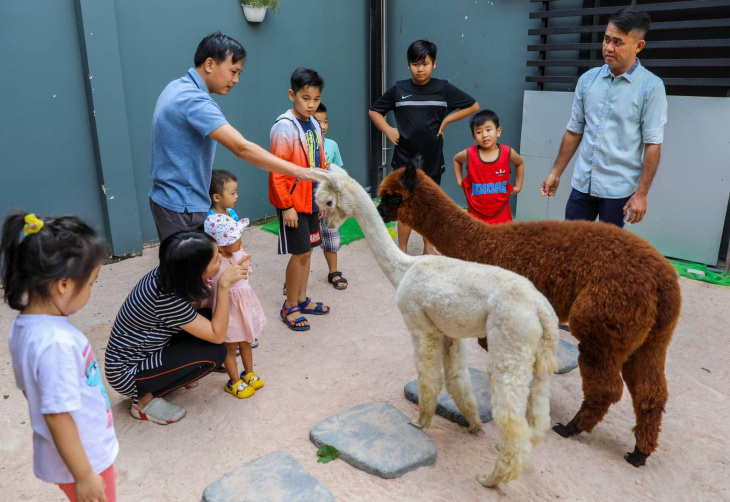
(444, 300)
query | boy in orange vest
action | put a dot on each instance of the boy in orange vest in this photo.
(297, 137)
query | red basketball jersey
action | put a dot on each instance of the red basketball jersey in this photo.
(487, 186)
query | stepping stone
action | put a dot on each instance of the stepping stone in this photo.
(445, 404)
(376, 438)
(568, 355)
(275, 477)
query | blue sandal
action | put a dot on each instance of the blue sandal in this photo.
(318, 310)
(292, 325)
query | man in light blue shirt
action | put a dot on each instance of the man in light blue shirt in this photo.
(186, 125)
(617, 126)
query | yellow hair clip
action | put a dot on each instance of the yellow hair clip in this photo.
(32, 225)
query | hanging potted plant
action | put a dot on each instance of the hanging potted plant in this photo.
(255, 10)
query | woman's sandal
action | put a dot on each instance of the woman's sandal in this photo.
(318, 310)
(292, 325)
(336, 282)
(159, 411)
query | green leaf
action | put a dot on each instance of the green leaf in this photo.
(22, 423)
(327, 453)
(5, 396)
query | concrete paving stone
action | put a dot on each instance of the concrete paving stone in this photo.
(568, 355)
(445, 404)
(276, 477)
(376, 438)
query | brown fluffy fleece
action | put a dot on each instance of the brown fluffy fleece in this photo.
(619, 294)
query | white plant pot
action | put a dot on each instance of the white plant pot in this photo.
(254, 14)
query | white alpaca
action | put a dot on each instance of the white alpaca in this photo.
(444, 300)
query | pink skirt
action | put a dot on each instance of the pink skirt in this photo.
(246, 318)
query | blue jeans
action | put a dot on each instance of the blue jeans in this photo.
(582, 206)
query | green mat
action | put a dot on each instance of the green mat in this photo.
(689, 269)
(350, 231)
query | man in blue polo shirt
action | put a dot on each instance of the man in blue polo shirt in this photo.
(618, 117)
(186, 125)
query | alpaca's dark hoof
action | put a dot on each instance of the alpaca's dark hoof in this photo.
(567, 430)
(636, 458)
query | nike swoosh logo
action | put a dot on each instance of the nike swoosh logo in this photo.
(404, 97)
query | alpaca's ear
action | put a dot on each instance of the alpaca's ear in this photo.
(332, 177)
(319, 174)
(409, 178)
(418, 161)
(336, 183)
(337, 169)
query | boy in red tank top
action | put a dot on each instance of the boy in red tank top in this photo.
(486, 183)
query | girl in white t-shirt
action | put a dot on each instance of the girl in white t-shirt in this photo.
(48, 267)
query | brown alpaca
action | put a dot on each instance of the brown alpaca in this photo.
(619, 294)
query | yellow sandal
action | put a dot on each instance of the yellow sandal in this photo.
(253, 380)
(240, 389)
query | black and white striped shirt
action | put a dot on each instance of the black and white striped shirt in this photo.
(144, 325)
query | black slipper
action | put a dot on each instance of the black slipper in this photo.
(336, 282)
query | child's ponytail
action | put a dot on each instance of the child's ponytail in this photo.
(36, 252)
(12, 232)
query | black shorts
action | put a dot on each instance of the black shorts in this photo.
(435, 177)
(169, 222)
(301, 239)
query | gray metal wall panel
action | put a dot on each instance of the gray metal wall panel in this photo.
(47, 159)
(482, 49)
(107, 112)
(689, 197)
(158, 41)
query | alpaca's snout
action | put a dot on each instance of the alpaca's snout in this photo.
(384, 213)
(333, 218)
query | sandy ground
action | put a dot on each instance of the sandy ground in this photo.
(362, 352)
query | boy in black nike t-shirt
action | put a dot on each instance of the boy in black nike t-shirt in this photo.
(423, 107)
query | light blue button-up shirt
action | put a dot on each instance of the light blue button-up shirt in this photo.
(617, 116)
(182, 152)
